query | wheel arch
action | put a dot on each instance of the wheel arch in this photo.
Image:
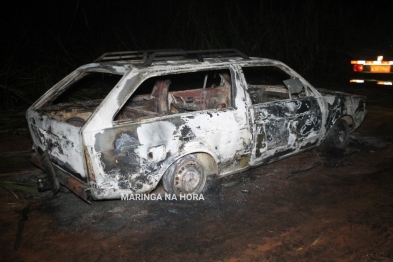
(346, 118)
(208, 160)
(209, 163)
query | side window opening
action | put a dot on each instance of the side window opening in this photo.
(178, 93)
(269, 83)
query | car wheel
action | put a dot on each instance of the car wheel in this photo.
(338, 135)
(185, 176)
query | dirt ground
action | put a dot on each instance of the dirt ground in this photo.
(316, 206)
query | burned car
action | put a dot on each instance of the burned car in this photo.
(129, 120)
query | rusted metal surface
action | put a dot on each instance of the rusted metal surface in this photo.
(130, 140)
(66, 179)
(51, 173)
(36, 160)
(77, 187)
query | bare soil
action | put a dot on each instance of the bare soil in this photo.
(315, 206)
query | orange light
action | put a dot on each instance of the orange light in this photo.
(380, 69)
(369, 62)
(357, 68)
(358, 62)
(356, 81)
(384, 83)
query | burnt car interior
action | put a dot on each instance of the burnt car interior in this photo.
(80, 98)
(178, 93)
(170, 94)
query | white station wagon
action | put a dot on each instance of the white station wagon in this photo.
(129, 120)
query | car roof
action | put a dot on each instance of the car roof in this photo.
(123, 62)
(147, 57)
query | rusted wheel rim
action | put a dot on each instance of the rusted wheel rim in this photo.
(189, 178)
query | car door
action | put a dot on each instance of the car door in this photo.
(282, 123)
(285, 127)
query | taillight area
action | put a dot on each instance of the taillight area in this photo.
(358, 68)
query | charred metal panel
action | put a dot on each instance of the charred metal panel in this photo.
(341, 104)
(285, 127)
(62, 141)
(134, 156)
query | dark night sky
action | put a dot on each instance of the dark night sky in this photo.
(42, 41)
(88, 26)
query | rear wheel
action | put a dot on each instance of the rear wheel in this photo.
(338, 135)
(185, 176)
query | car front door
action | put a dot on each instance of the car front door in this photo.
(283, 123)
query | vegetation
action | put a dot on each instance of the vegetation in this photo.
(12, 186)
(310, 36)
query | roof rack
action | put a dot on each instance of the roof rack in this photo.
(194, 54)
(131, 55)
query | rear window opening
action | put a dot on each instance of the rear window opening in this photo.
(81, 97)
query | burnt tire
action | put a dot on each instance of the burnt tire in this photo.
(185, 176)
(338, 135)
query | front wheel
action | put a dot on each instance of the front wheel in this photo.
(338, 135)
(185, 176)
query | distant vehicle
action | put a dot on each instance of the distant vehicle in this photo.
(127, 121)
(371, 67)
